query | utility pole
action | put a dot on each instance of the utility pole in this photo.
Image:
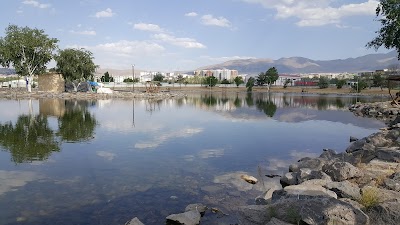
(133, 77)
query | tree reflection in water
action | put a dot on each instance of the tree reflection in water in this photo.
(77, 124)
(31, 139)
(266, 106)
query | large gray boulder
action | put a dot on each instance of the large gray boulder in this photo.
(308, 211)
(186, 218)
(307, 174)
(310, 163)
(309, 190)
(344, 189)
(288, 179)
(340, 171)
(389, 154)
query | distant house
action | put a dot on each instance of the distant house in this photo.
(291, 77)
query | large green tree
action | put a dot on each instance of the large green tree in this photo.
(75, 64)
(261, 79)
(271, 76)
(238, 81)
(27, 50)
(211, 81)
(158, 77)
(389, 33)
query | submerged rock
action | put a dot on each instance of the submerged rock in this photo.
(186, 218)
(134, 221)
(249, 179)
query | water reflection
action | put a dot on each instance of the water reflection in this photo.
(31, 138)
(77, 124)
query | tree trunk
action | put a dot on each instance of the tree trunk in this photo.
(29, 83)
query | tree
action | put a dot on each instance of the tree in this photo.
(107, 78)
(225, 81)
(360, 85)
(261, 79)
(389, 33)
(271, 76)
(287, 81)
(340, 83)
(250, 84)
(75, 64)
(211, 81)
(27, 50)
(180, 80)
(323, 82)
(158, 77)
(378, 80)
(238, 81)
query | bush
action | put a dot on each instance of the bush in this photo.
(369, 197)
(323, 82)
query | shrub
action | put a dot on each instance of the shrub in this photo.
(369, 197)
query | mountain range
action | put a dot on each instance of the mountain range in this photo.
(292, 65)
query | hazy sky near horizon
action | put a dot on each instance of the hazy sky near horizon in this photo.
(187, 34)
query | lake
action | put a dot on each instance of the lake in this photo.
(107, 161)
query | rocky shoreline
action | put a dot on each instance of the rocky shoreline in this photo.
(20, 94)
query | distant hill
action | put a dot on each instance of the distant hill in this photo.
(369, 62)
(6, 71)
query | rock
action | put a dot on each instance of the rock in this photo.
(328, 154)
(308, 174)
(340, 171)
(249, 179)
(352, 139)
(275, 221)
(266, 197)
(388, 154)
(311, 163)
(392, 184)
(186, 218)
(387, 213)
(288, 179)
(134, 221)
(344, 189)
(305, 191)
(308, 211)
(196, 207)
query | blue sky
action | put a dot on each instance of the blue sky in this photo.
(187, 34)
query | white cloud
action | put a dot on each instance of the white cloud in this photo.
(191, 14)
(36, 4)
(84, 32)
(121, 53)
(106, 13)
(316, 12)
(148, 27)
(210, 20)
(158, 140)
(181, 42)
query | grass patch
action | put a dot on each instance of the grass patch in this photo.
(369, 197)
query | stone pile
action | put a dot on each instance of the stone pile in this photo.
(358, 186)
(380, 110)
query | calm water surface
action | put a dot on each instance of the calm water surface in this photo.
(107, 161)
